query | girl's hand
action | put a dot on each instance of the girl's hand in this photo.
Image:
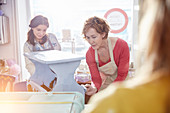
(90, 89)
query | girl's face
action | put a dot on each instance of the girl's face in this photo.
(94, 38)
(39, 31)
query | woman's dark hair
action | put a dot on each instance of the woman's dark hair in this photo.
(36, 21)
(98, 24)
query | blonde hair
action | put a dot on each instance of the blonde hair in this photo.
(155, 31)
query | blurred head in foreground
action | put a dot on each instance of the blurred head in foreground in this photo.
(149, 92)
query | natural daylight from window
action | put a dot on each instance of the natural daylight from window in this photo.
(67, 18)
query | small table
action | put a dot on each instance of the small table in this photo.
(41, 102)
(62, 63)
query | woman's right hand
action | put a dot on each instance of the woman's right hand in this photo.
(90, 90)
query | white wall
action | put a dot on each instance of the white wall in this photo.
(135, 31)
(23, 18)
(10, 50)
(16, 11)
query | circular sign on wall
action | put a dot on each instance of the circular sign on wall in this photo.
(117, 19)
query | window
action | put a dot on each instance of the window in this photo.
(67, 18)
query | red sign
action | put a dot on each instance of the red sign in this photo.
(117, 19)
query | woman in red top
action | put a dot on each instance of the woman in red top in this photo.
(107, 58)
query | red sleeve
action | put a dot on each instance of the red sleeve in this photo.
(90, 59)
(121, 56)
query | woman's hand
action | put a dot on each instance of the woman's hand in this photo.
(90, 89)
